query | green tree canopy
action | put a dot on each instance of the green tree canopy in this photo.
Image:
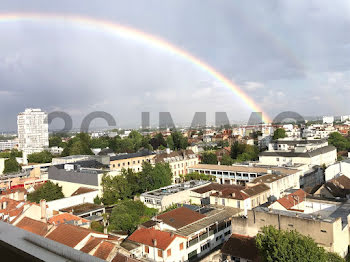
(79, 145)
(226, 160)
(199, 176)
(48, 191)
(157, 141)
(284, 246)
(128, 214)
(209, 158)
(41, 157)
(11, 165)
(339, 141)
(130, 183)
(56, 141)
(279, 133)
(242, 152)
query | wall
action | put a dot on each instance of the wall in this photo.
(68, 188)
(333, 170)
(329, 235)
(71, 201)
(2, 165)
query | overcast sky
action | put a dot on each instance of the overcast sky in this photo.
(286, 55)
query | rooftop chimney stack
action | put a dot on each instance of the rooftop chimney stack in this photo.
(43, 210)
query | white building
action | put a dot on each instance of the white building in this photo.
(328, 119)
(344, 118)
(8, 144)
(33, 131)
(338, 169)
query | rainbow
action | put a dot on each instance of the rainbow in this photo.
(133, 34)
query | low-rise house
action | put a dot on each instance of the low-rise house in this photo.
(67, 218)
(240, 248)
(335, 188)
(165, 197)
(293, 201)
(279, 183)
(18, 194)
(201, 196)
(89, 211)
(178, 161)
(245, 199)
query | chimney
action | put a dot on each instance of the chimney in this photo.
(4, 205)
(43, 210)
(154, 241)
(168, 151)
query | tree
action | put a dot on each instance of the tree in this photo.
(243, 152)
(158, 141)
(11, 165)
(14, 153)
(280, 245)
(209, 158)
(41, 157)
(97, 226)
(237, 149)
(55, 141)
(79, 145)
(279, 133)
(48, 191)
(199, 176)
(128, 214)
(129, 183)
(340, 142)
(226, 160)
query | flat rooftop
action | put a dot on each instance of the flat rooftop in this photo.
(246, 168)
(82, 208)
(173, 189)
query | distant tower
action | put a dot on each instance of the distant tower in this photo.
(33, 131)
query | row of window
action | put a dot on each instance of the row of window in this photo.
(160, 252)
(128, 163)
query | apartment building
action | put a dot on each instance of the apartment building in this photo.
(242, 174)
(133, 161)
(326, 155)
(182, 234)
(178, 161)
(33, 131)
(8, 144)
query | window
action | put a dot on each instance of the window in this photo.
(168, 252)
(323, 231)
(113, 165)
(181, 246)
(223, 201)
(205, 246)
(228, 233)
(138, 161)
(219, 237)
(147, 249)
(133, 162)
(128, 163)
(291, 225)
(119, 165)
(160, 253)
(238, 204)
(123, 164)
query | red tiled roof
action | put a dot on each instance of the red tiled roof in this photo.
(231, 193)
(180, 217)
(215, 187)
(104, 250)
(14, 190)
(122, 258)
(242, 247)
(34, 226)
(148, 237)
(69, 235)
(82, 190)
(64, 218)
(293, 199)
(91, 244)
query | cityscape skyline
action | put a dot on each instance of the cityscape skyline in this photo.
(52, 60)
